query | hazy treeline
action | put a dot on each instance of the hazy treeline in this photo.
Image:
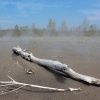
(84, 29)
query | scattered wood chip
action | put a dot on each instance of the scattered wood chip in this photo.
(30, 71)
(74, 89)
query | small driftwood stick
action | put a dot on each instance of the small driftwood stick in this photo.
(13, 82)
(56, 65)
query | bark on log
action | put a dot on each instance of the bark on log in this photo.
(56, 65)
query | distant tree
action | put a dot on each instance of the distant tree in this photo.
(93, 29)
(16, 27)
(33, 26)
(63, 26)
(37, 31)
(51, 26)
(85, 26)
(16, 31)
(22, 28)
(25, 28)
(78, 28)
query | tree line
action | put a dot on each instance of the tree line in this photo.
(84, 29)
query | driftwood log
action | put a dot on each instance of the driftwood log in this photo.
(56, 65)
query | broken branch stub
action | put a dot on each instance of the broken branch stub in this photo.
(56, 65)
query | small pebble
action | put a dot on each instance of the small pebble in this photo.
(30, 71)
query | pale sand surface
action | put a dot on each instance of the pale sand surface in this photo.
(82, 54)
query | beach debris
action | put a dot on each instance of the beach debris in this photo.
(57, 66)
(30, 71)
(13, 82)
(74, 89)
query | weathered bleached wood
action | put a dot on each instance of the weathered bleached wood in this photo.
(13, 82)
(56, 65)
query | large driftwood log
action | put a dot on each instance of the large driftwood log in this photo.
(56, 65)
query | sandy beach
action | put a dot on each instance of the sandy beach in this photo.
(81, 53)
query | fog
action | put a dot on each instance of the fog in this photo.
(83, 39)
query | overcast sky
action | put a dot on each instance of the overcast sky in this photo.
(26, 12)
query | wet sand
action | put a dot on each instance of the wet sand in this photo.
(82, 54)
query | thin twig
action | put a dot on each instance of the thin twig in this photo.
(13, 90)
(17, 64)
(13, 82)
(11, 79)
(6, 85)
